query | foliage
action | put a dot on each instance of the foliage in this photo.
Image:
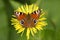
(50, 32)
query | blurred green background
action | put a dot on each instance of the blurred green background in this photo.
(51, 31)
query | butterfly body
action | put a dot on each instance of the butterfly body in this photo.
(28, 20)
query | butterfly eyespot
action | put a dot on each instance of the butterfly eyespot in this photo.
(34, 21)
(22, 22)
(16, 13)
(38, 11)
(21, 13)
(34, 12)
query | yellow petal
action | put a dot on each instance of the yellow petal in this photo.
(42, 19)
(14, 20)
(30, 9)
(32, 32)
(17, 26)
(22, 33)
(28, 33)
(26, 8)
(13, 15)
(42, 23)
(42, 14)
(35, 7)
(22, 8)
(19, 9)
(39, 27)
(21, 30)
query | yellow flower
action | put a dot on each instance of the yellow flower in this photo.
(38, 26)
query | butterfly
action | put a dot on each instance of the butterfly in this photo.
(28, 20)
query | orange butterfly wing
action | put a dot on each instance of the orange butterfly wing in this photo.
(20, 15)
(35, 14)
